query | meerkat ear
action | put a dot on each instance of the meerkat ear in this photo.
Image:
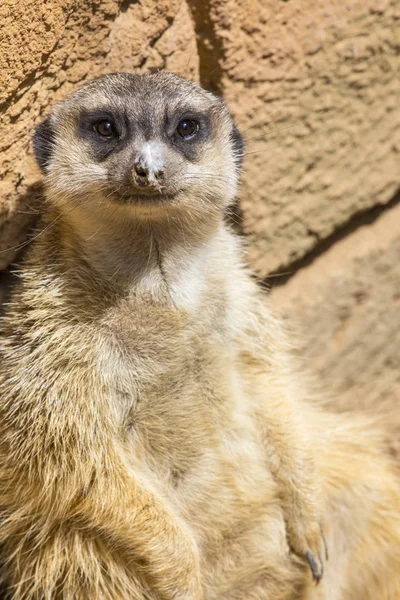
(236, 137)
(238, 146)
(43, 140)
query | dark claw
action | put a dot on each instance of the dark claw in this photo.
(326, 548)
(317, 572)
(322, 567)
(325, 544)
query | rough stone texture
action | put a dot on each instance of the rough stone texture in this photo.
(346, 309)
(315, 88)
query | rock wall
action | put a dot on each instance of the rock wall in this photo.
(315, 90)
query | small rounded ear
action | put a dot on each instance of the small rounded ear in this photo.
(237, 140)
(43, 143)
(238, 146)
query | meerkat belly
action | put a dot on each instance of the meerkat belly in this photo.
(203, 449)
(188, 424)
(210, 462)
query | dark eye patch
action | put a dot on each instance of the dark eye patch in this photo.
(199, 125)
(92, 126)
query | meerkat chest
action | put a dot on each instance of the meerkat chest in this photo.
(169, 375)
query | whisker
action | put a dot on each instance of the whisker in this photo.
(102, 225)
(262, 122)
(270, 133)
(206, 177)
(257, 123)
(185, 72)
(23, 244)
(263, 150)
(283, 274)
(47, 228)
(27, 212)
(232, 218)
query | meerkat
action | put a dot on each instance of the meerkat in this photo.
(156, 441)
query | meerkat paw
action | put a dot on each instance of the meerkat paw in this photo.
(309, 543)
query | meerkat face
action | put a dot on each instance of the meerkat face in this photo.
(156, 143)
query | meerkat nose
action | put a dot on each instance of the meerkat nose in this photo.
(145, 177)
(140, 170)
(148, 169)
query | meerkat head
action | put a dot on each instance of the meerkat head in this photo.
(158, 144)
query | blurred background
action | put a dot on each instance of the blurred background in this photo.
(315, 90)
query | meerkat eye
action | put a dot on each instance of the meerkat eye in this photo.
(105, 128)
(187, 128)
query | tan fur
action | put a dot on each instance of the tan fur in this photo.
(157, 442)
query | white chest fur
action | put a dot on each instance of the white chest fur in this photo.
(186, 278)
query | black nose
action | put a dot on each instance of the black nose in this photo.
(144, 176)
(141, 171)
(159, 176)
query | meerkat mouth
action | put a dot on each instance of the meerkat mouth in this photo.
(143, 198)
